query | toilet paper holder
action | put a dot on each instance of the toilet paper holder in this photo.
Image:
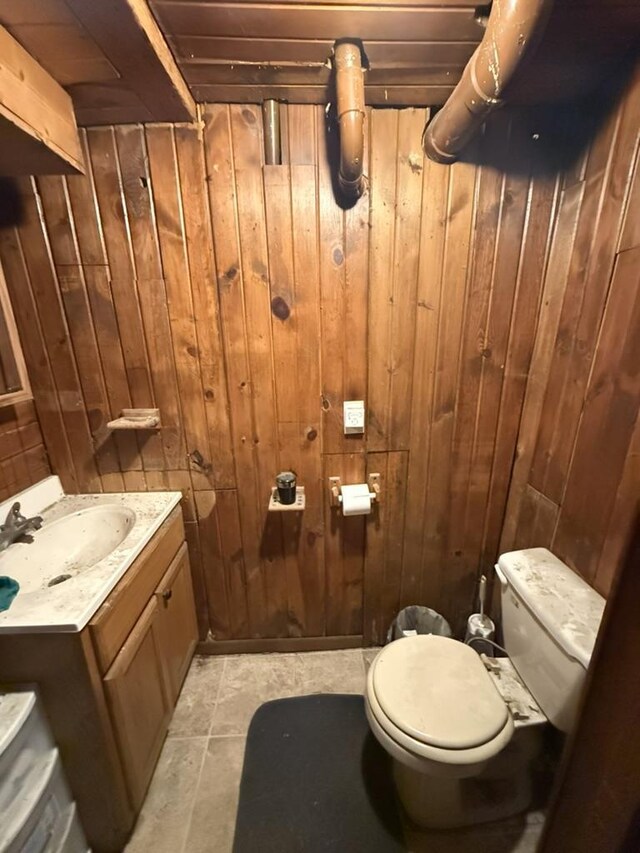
(335, 486)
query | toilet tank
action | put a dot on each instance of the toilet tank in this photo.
(550, 619)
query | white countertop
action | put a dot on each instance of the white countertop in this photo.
(69, 606)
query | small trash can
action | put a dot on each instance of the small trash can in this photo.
(414, 620)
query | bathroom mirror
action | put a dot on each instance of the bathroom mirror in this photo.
(14, 382)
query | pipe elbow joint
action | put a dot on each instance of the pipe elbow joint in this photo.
(513, 30)
(350, 103)
(351, 189)
(433, 151)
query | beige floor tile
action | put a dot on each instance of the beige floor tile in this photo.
(332, 672)
(214, 815)
(163, 823)
(368, 656)
(247, 682)
(196, 704)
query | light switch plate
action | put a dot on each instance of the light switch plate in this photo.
(354, 417)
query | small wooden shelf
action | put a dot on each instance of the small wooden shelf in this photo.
(276, 506)
(136, 419)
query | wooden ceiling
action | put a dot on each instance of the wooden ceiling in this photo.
(115, 58)
(247, 51)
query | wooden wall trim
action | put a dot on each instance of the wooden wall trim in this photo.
(280, 644)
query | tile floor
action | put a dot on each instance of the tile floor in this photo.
(191, 804)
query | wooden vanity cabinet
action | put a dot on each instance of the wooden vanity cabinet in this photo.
(145, 634)
(109, 690)
(116, 618)
(138, 699)
(145, 678)
(177, 621)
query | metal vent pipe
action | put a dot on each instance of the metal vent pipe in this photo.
(271, 121)
(513, 31)
(350, 107)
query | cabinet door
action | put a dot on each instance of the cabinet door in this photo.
(139, 701)
(177, 617)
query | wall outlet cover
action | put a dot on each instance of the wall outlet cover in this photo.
(354, 417)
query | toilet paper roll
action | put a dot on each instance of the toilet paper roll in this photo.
(356, 499)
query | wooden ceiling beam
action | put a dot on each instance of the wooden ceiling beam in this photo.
(38, 133)
(380, 96)
(313, 74)
(129, 36)
(202, 49)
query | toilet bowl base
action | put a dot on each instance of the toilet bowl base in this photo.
(503, 787)
(440, 803)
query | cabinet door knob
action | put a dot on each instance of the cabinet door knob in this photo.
(166, 595)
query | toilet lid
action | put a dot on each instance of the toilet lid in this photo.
(438, 692)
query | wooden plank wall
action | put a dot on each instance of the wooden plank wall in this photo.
(246, 304)
(23, 458)
(576, 478)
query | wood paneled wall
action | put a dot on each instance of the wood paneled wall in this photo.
(23, 458)
(576, 480)
(246, 304)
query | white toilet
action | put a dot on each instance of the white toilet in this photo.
(463, 730)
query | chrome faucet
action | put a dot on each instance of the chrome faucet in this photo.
(16, 526)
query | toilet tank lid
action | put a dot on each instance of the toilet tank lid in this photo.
(568, 608)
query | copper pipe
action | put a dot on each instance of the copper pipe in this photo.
(350, 105)
(271, 122)
(513, 30)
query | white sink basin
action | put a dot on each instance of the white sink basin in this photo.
(63, 549)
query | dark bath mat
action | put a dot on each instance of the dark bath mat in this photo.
(315, 780)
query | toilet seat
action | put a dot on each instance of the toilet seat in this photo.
(433, 697)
